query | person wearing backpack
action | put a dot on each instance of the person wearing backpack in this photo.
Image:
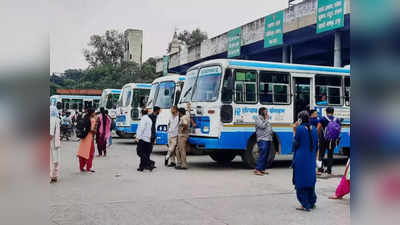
(86, 130)
(329, 129)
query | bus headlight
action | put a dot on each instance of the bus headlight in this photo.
(206, 129)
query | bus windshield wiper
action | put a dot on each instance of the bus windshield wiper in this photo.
(187, 92)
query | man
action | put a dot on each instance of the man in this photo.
(143, 136)
(325, 142)
(153, 117)
(264, 140)
(183, 135)
(173, 123)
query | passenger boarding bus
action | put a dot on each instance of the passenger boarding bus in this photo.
(165, 92)
(130, 102)
(72, 103)
(109, 99)
(226, 95)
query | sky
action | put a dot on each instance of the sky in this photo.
(72, 22)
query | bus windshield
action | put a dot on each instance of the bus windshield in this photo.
(165, 97)
(207, 85)
(126, 97)
(153, 94)
(112, 99)
(188, 87)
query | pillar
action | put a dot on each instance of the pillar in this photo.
(285, 54)
(337, 50)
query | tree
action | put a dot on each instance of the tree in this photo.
(105, 49)
(192, 38)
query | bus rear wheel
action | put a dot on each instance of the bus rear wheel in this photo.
(222, 157)
(250, 156)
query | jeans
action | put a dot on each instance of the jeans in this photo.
(263, 149)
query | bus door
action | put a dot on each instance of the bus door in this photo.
(302, 93)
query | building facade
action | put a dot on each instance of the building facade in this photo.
(133, 46)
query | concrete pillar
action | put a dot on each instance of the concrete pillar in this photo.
(291, 54)
(285, 55)
(337, 50)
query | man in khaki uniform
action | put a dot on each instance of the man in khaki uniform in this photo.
(183, 135)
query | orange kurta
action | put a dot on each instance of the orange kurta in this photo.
(86, 143)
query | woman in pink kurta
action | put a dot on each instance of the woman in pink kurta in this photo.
(103, 132)
(86, 145)
(344, 186)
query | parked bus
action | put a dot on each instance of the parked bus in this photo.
(109, 99)
(130, 102)
(72, 103)
(227, 94)
(165, 92)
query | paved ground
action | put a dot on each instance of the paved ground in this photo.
(207, 193)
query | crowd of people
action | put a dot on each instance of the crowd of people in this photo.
(313, 137)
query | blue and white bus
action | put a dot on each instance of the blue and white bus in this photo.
(72, 103)
(109, 99)
(165, 92)
(226, 95)
(130, 102)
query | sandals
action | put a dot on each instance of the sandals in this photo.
(334, 197)
(259, 173)
(303, 209)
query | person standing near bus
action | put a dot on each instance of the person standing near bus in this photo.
(304, 163)
(103, 132)
(55, 144)
(329, 131)
(183, 136)
(153, 116)
(143, 138)
(86, 144)
(173, 123)
(264, 139)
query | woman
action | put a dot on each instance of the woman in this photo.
(55, 144)
(103, 132)
(344, 186)
(86, 145)
(264, 139)
(304, 164)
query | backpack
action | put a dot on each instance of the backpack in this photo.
(83, 127)
(332, 130)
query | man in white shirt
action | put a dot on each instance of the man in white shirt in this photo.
(173, 123)
(143, 135)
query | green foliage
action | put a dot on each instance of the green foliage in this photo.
(107, 69)
(192, 38)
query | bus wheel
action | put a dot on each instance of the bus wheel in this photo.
(250, 156)
(222, 157)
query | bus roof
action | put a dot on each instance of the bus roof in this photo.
(274, 66)
(76, 96)
(112, 91)
(170, 77)
(137, 85)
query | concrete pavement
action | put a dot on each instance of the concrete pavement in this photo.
(207, 193)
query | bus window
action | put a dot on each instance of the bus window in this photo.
(207, 85)
(109, 101)
(227, 87)
(165, 97)
(153, 94)
(188, 86)
(274, 88)
(245, 86)
(347, 95)
(328, 90)
(139, 95)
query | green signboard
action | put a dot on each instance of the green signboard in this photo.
(234, 42)
(273, 34)
(165, 65)
(330, 15)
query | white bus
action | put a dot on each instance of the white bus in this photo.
(227, 94)
(109, 99)
(165, 92)
(130, 102)
(72, 103)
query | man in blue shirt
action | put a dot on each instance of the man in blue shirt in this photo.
(326, 144)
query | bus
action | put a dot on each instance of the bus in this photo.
(165, 92)
(72, 103)
(226, 95)
(131, 101)
(109, 99)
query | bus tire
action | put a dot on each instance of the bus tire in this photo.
(248, 158)
(223, 156)
(250, 155)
